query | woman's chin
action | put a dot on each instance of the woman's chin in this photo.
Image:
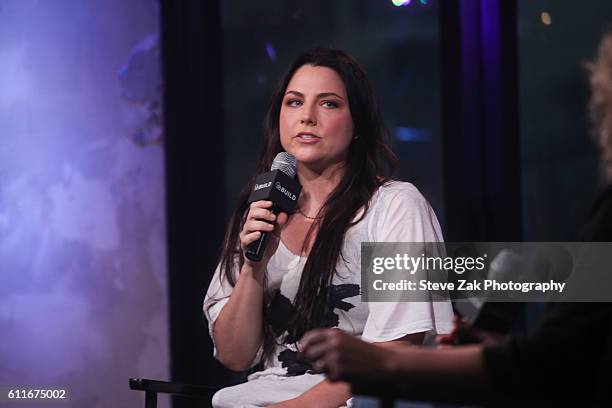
(307, 158)
(313, 159)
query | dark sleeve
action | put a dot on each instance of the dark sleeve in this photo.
(561, 360)
(564, 357)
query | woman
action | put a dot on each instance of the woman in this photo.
(324, 113)
(567, 362)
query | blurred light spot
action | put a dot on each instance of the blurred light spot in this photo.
(424, 2)
(546, 18)
(298, 14)
(406, 134)
(399, 3)
(271, 51)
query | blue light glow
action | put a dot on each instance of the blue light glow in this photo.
(270, 51)
(406, 134)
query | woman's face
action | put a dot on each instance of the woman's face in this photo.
(315, 120)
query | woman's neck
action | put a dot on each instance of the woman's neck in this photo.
(317, 186)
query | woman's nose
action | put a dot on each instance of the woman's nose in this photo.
(308, 116)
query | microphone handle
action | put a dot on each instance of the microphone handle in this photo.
(256, 249)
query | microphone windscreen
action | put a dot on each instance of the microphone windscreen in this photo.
(286, 163)
(506, 266)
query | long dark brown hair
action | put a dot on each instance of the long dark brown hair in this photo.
(370, 163)
(600, 103)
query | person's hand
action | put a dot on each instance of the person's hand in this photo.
(342, 356)
(464, 333)
(260, 219)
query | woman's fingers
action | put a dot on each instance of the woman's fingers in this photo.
(247, 239)
(282, 219)
(261, 204)
(254, 225)
(261, 219)
(261, 214)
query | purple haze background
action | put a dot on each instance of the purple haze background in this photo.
(82, 220)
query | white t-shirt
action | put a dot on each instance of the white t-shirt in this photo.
(398, 213)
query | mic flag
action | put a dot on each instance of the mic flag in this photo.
(277, 185)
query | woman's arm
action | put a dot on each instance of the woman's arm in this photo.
(238, 331)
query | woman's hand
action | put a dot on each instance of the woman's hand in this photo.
(261, 219)
(342, 356)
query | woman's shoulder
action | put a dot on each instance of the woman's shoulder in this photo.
(399, 212)
(393, 190)
(394, 196)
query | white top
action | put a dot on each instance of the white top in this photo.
(398, 213)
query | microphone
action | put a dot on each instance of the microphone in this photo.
(483, 314)
(547, 262)
(506, 265)
(277, 185)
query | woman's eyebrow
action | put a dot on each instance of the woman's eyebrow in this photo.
(321, 95)
(326, 94)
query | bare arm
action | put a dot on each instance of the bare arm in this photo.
(325, 395)
(463, 364)
(335, 394)
(238, 330)
(344, 357)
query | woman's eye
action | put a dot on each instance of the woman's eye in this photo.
(294, 102)
(330, 104)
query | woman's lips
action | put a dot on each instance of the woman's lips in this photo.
(307, 138)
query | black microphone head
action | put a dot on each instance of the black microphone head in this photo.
(286, 163)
